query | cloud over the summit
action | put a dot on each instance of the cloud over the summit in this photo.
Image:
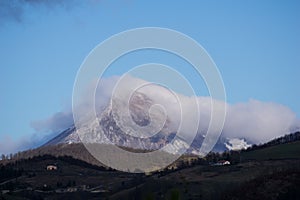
(255, 121)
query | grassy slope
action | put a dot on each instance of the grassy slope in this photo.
(270, 167)
(264, 174)
(282, 151)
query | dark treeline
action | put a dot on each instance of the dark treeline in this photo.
(76, 154)
(8, 172)
(293, 137)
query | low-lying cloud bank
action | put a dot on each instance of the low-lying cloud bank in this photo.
(255, 121)
(10, 145)
(259, 121)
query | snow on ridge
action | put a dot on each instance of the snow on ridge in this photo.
(237, 144)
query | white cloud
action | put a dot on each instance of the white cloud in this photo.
(259, 121)
(255, 121)
(57, 122)
(12, 145)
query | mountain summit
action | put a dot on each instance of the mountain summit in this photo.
(135, 124)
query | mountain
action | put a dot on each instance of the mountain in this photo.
(61, 138)
(113, 126)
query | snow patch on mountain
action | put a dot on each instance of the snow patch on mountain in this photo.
(237, 144)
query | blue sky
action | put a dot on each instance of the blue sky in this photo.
(255, 45)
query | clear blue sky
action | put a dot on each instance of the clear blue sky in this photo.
(255, 44)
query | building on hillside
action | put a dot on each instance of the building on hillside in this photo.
(51, 167)
(224, 162)
(220, 163)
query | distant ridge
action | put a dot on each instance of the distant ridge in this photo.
(57, 139)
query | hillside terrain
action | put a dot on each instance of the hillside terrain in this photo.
(268, 171)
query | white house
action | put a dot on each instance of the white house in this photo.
(51, 167)
(223, 162)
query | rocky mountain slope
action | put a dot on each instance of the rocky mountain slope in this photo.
(111, 128)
